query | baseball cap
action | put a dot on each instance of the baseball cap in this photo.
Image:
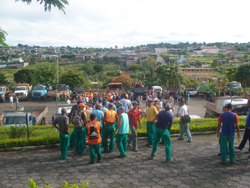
(100, 99)
(155, 100)
(121, 108)
(167, 106)
(63, 110)
(80, 101)
(81, 105)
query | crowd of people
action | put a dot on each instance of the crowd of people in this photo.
(101, 116)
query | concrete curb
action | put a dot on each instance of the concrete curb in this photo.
(58, 145)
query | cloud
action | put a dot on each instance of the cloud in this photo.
(124, 23)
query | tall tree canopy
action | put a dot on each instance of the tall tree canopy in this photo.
(60, 4)
(243, 75)
(2, 78)
(73, 78)
(25, 76)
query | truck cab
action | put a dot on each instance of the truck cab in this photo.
(233, 86)
(17, 119)
(39, 91)
(22, 91)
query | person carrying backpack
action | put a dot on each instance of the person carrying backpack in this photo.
(78, 119)
(94, 137)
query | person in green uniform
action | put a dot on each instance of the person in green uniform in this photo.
(63, 123)
(57, 97)
(122, 133)
(162, 130)
(79, 120)
(110, 119)
(151, 113)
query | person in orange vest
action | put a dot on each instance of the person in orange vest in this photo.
(58, 97)
(110, 120)
(94, 138)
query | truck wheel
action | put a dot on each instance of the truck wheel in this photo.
(44, 98)
(207, 115)
(33, 99)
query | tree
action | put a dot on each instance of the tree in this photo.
(215, 63)
(2, 78)
(124, 79)
(32, 60)
(47, 73)
(48, 3)
(243, 75)
(88, 68)
(73, 78)
(26, 76)
(3, 38)
(98, 68)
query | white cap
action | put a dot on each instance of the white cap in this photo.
(155, 100)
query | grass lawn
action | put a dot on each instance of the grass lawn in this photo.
(208, 59)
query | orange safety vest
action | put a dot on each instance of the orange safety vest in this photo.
(110, 116)
(97, 126)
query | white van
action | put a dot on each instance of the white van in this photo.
(158, 89)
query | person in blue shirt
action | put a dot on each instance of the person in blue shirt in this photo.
(175, 96)
(247, 130)
(125, 103)
(122, 133)
(99, 114)
(227, 133)
(162, 130)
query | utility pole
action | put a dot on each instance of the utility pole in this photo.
(57, 81)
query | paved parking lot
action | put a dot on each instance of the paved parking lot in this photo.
(195, 164)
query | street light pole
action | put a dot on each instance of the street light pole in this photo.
(57, 81)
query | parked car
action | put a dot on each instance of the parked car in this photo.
(192, 92)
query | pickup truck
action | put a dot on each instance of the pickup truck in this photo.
(39, 92)
(215, 109)
(36, 116)
(22, 91)
(192, 92)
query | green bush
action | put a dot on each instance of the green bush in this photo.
(32, 184)
(17, 131)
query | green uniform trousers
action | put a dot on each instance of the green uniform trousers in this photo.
(165, 135)
(58, 99)
(121, 142)
(150, 132)
(79, 139)
(95, 148)
(108, 131)
(220, 146)
(64, 144)
(224, 141)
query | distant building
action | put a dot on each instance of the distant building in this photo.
(114, 54)
(19, 66)
(161, 50)
(49, 57)
(182, 59)
(198, 73)
(2, 66)
(18, 59)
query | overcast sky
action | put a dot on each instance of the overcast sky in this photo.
(106, 23)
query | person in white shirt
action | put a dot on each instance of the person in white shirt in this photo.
(160, 104)
(11, 101)
(183, 125)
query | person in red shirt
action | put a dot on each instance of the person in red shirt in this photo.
(94, 138)
(134, 117)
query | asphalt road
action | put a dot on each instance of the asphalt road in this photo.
(195, 107)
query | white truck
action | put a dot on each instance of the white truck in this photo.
(215, 109)
(22, 91)
(192, 92)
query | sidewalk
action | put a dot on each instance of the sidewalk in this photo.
(195, 165)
